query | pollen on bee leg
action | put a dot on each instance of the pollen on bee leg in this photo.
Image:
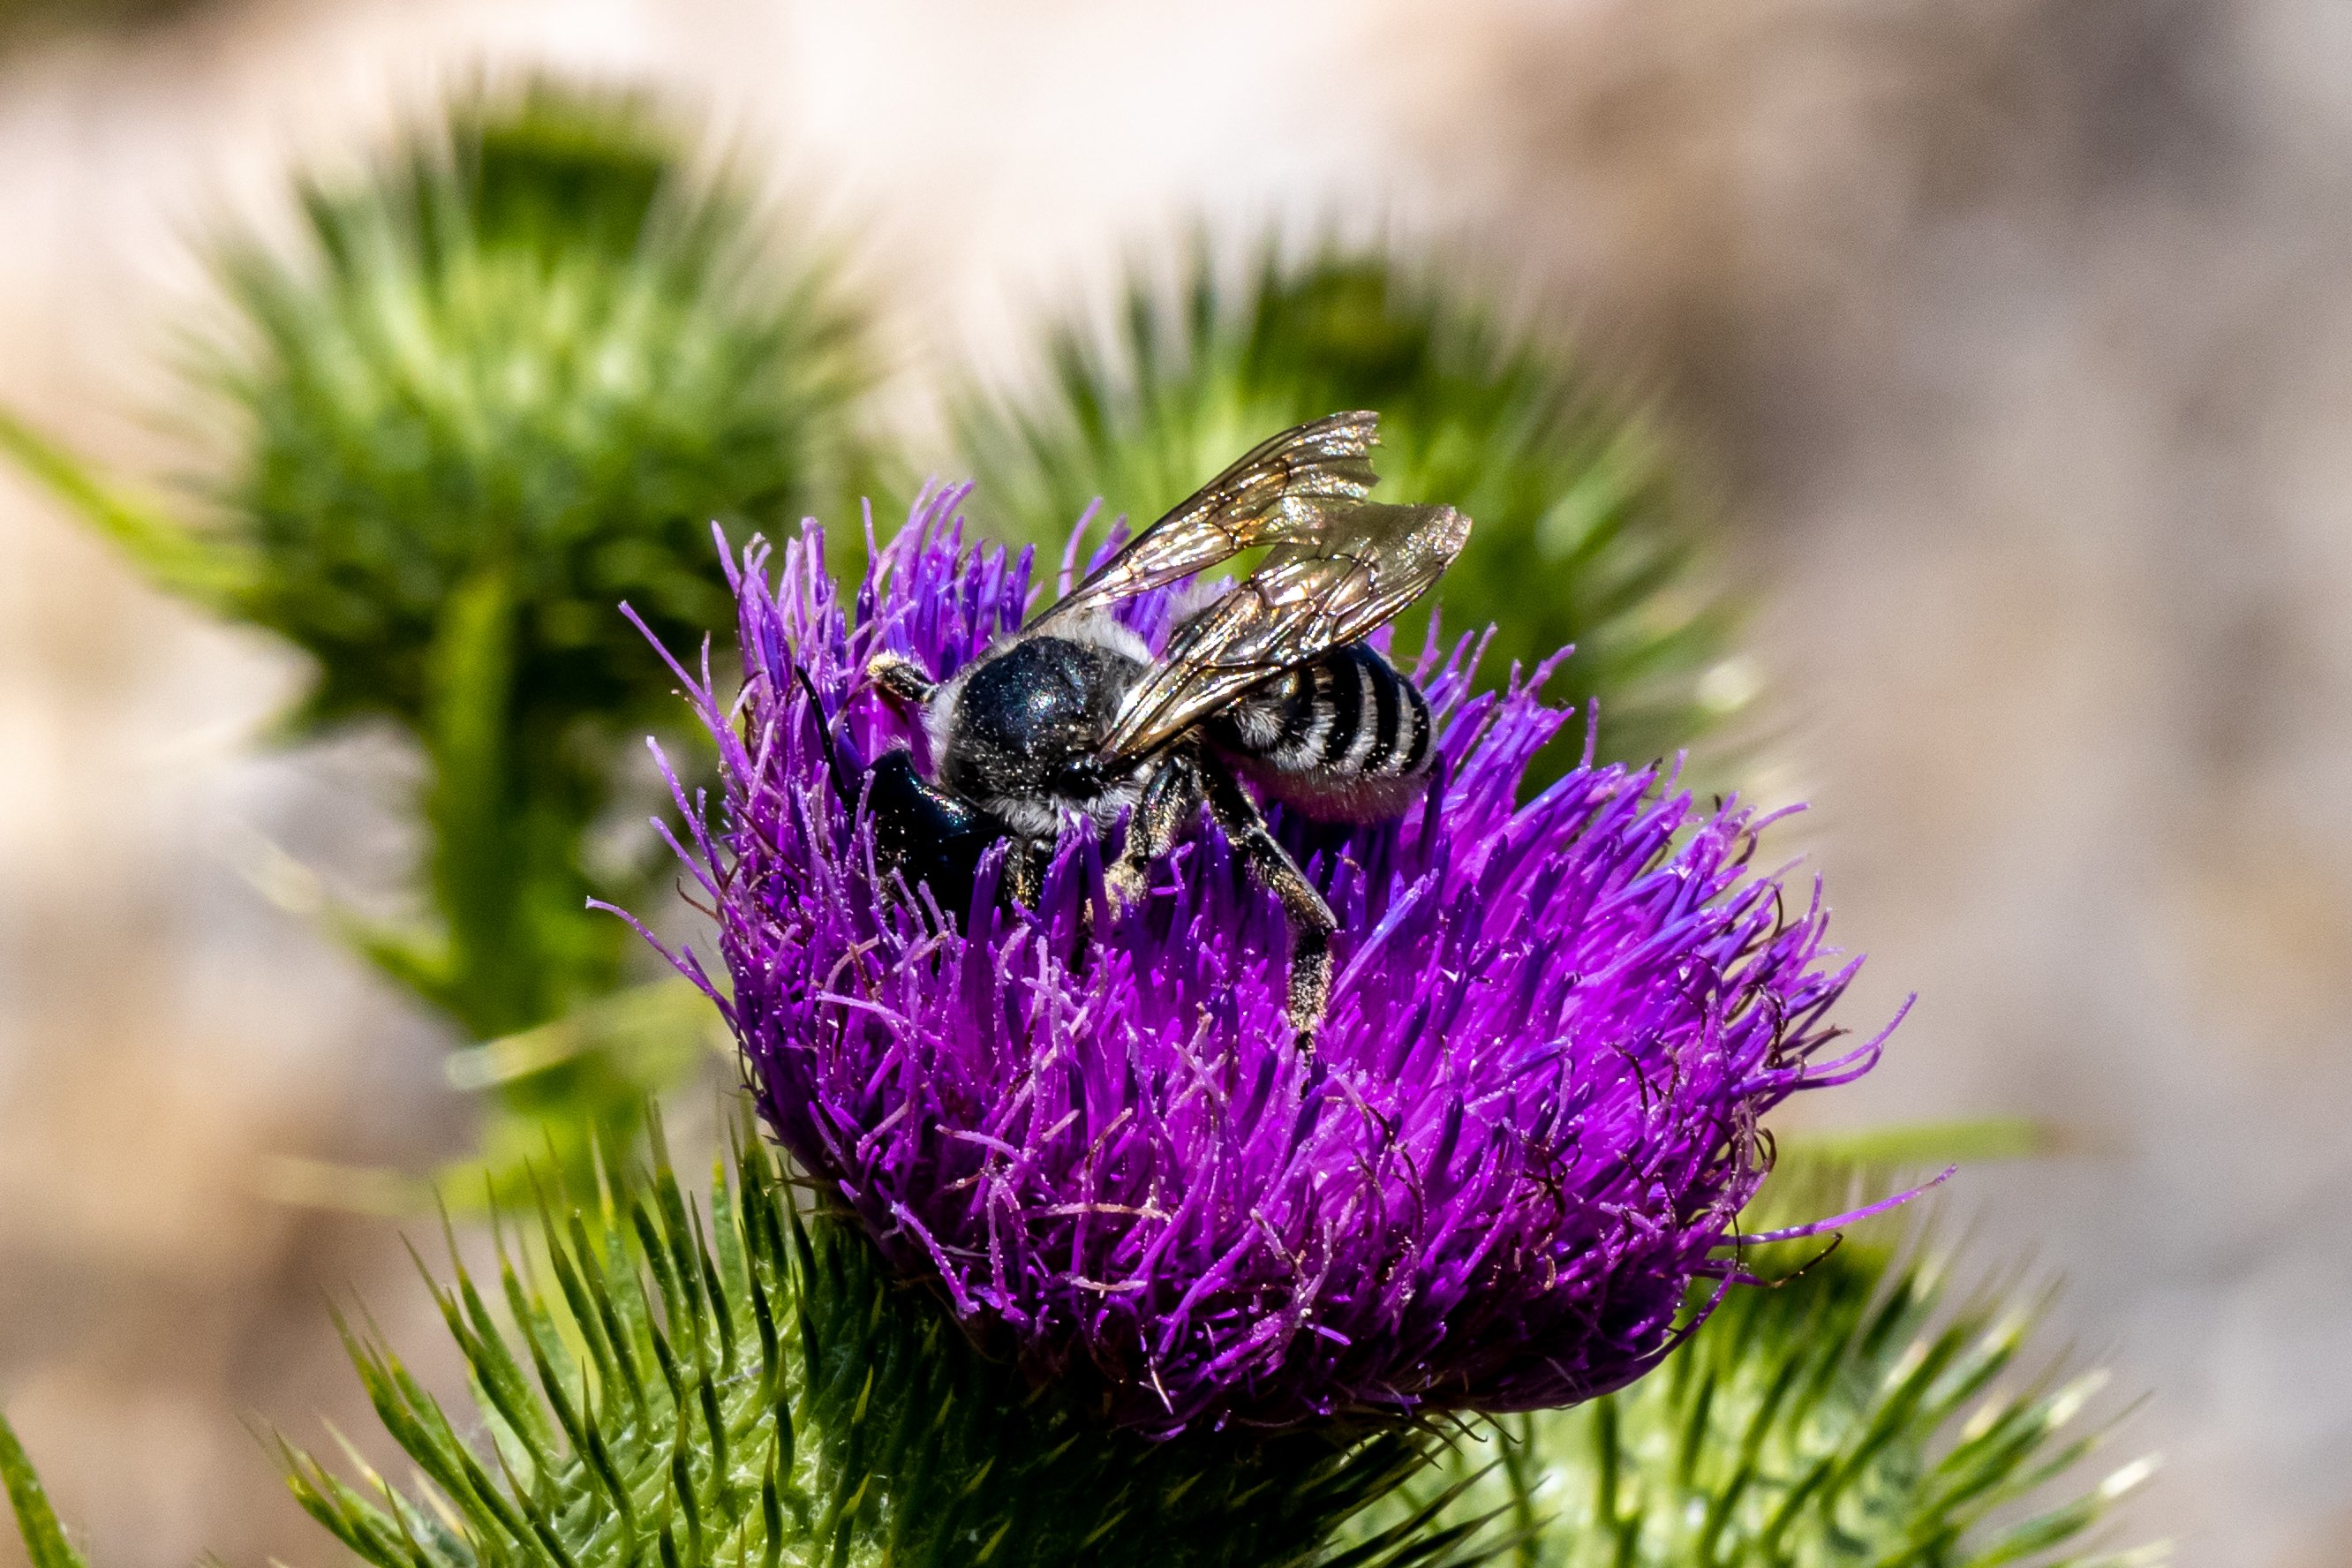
(1311, 987)
(1128, 882)
(899, 677)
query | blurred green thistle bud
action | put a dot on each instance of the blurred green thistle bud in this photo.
(506, 377)
(525, 366)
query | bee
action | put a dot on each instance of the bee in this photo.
(1265, 682)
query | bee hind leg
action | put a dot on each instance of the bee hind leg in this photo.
(1311, 920)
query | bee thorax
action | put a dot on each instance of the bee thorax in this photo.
(1019, 731)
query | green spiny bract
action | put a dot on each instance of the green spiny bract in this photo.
(1857, 1412)
(753, 1389)
(1578, 536)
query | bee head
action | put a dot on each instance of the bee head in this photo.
(1079, 779)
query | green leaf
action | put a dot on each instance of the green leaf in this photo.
(1922, 1144)
(174, 557)
(45, 1539)
(662, 1018)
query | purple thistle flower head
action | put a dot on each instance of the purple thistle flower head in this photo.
(1531, 1121)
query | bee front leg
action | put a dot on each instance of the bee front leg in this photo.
(1170, 797)
(1311, 920)
(1025, 870)
(900, 678)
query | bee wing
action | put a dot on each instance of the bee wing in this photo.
(1280, 491)
(1364, 563)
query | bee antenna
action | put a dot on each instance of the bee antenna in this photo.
(824, 728)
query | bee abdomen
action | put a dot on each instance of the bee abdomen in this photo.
(1343, 734)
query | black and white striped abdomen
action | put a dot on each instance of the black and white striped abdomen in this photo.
(1343, 735)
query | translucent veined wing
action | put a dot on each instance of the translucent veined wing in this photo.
(1356, 568)
(1281, 491)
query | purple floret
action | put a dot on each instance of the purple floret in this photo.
(1530, 1124)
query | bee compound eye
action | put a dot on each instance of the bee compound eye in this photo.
(1078, 779)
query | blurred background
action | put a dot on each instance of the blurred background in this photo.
(2009, 345)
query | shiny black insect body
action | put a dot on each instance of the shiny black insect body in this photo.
(928, 835)
(1072, 720)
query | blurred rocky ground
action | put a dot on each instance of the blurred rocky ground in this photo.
(2012, 337)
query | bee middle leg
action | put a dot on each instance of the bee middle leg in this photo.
(1311, 920)
(1171, 796)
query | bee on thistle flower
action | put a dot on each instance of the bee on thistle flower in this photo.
(1073, 720)
(1528, 1122)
